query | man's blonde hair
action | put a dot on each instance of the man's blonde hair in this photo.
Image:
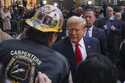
(76, 20)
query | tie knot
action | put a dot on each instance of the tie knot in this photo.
(77, 44)
(88, 29)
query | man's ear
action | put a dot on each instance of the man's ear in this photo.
(51, 39)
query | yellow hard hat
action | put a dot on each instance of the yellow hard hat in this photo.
(47, 18)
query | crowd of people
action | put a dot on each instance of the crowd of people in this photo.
(85, 45)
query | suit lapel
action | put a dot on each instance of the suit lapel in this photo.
(86, 44)
(69, 48)
(94, 31)
(69, 52)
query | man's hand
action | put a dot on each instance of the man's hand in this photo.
(42, 78)
(113, 28)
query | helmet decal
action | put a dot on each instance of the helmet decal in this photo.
(47, 19)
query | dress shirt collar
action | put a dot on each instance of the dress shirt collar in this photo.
(82, 47)
(81, 43)
(90, 28)
(89, 31)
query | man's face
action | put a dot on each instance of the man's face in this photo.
(76, 32)
(118, 15)
(109, 11)
(90, 18)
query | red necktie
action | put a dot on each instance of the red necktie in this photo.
(78, 54)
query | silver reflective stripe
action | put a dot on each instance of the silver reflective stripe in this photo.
(123, 42)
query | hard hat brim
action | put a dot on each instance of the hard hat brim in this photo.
(42, 28)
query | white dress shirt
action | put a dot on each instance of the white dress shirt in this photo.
(82, 49)
(90, 31)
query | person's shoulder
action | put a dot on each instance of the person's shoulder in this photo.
(100, 32)
(60, 60)
(62, 42)
(10, 41)
(53, 53)
(99, 29)
(60, 56)
(91, 39)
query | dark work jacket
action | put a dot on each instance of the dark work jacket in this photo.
(31, 57)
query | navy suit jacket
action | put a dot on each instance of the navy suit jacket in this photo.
(101, 36)
(65, 47)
